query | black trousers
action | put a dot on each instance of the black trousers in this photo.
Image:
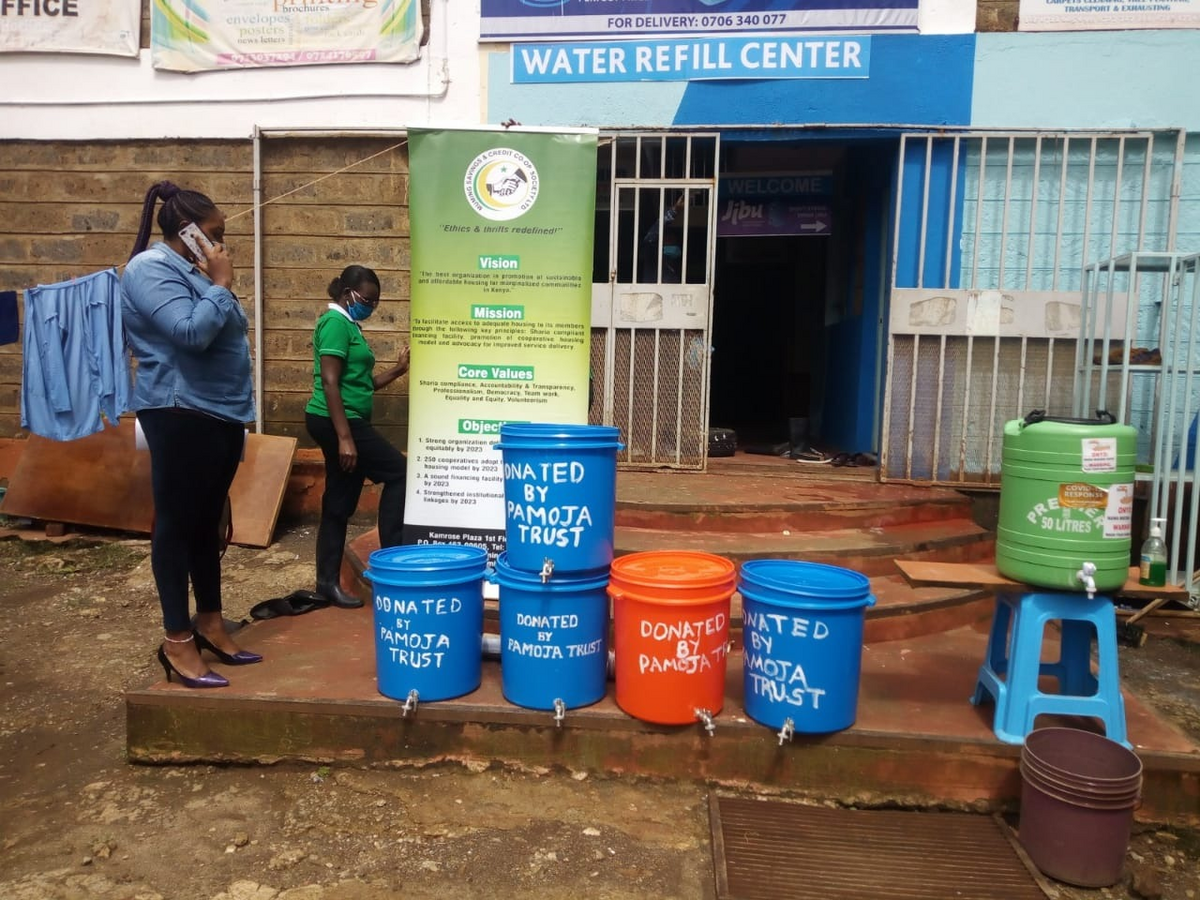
(379, 461)
(193, 458)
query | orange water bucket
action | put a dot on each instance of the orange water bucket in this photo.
(671, 633)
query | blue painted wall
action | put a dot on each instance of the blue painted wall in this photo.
(1096, 80)
(1104, 79)
(649, 104)
(852, 345)
(1100, 79)
(914, 79)
(938, 215)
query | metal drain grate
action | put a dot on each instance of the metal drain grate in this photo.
(773, 850)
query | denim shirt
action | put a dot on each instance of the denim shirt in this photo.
(75, 372)
(188, 336)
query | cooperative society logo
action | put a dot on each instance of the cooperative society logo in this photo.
(501, 184)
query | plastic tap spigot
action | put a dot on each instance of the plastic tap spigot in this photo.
(410, 703)
(1087, 574)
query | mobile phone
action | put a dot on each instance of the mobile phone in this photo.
(195, 240)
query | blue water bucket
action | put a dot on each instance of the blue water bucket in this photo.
(428, 619)
(802, 633)
(553, 636)
(560, 495)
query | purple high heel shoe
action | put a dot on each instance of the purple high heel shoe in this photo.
(207, 680)
(241, 658)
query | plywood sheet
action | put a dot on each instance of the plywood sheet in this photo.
(925, 573)
(258, 488)
(98, 480)
(103, 481)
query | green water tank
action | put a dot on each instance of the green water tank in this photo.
(1066, 498)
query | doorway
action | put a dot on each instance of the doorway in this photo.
(799, 293)
(767, 320)
(766, 315)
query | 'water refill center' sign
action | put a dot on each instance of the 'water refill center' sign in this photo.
(693, 60)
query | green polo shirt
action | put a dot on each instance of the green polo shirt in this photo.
(336, 335)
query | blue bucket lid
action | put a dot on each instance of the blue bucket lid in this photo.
(543, 435)
(449, 560)
(808, 581)
(507, 575)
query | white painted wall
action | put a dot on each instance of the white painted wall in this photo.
(60, 96)
(946, 16)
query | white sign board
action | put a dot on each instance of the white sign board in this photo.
(111, 27)
(1107, 15)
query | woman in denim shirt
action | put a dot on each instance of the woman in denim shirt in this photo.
(192, 392)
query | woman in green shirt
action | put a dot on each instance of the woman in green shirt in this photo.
(339, 419)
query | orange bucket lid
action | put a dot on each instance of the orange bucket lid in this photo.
(680, 569)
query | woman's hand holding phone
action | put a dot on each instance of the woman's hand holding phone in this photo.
(217, 265)
(211, 258)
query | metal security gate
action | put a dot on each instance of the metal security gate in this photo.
(992, 231)
(652, 304)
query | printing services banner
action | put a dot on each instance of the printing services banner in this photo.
(1107, 15)
(517, 20)
(109, 27)
(206, 35)
(501, 240)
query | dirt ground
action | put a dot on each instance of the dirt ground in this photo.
(78, 626)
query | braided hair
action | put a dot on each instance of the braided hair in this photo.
(179, 207)
(352, 276)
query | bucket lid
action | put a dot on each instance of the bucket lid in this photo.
(551, 434)
(1079, 794)
(425, 559)
(674, 569)
(808, 580)
(507, 575)
(1081, 754)
(1077, 784)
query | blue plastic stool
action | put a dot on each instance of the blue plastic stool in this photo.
(1012, 667)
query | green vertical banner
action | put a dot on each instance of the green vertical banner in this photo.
(501, 225)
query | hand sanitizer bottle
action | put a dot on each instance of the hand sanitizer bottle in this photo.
(1154, 556)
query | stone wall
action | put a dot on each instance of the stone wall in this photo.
(357, 216)
(996, 15)
(70, 209)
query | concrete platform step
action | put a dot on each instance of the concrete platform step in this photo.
(917, 739)
(902, 612)
(872, 551)
(744, 503)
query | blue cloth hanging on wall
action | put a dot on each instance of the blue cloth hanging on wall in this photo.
(9, 331)
(75, 367)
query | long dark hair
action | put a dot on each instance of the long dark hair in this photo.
(179, 207)
(351, 277)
